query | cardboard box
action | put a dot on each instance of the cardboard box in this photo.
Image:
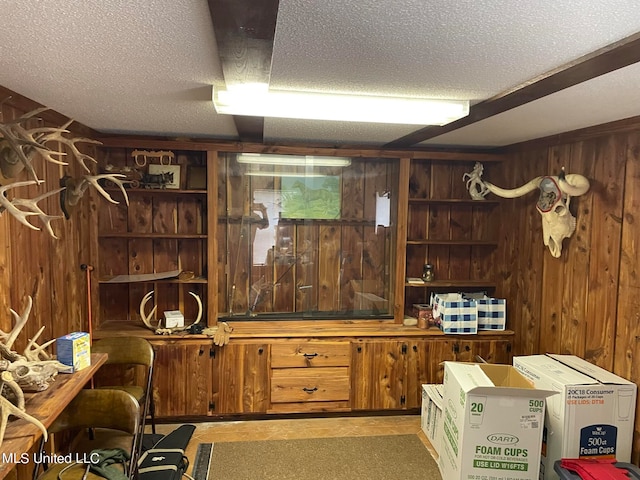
(492, 423)
(74, 350)
(173, 319)
(431, 416)
(454, 314)
(593, 414)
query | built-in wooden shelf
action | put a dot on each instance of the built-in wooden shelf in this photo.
(198, 280)
(454, 201)
(178, 236)
(454, 243)
(453, 283)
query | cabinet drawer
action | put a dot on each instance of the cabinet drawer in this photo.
(310, 385)
(310, 354)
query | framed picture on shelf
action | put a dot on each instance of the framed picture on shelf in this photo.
(173, 170)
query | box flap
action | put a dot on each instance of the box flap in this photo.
(589, 369)
(468, 375)
(435, 393)
(553, 371)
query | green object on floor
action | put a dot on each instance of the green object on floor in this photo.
(103, 463)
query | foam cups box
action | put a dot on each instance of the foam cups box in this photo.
(492, 423)
(431, 415)
(591, 417)
(74, 350)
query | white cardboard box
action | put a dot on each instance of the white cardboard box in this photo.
(593, 415)
(173, 319)
(431, 418)
(74, 350)
(492, 423)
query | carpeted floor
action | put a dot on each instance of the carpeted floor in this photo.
(389, 457)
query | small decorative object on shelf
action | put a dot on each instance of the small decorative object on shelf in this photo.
(427, 273)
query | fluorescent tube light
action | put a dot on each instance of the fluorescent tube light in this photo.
(258, 100)
(293, 160)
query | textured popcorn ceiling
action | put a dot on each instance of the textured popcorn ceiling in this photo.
(147, 66)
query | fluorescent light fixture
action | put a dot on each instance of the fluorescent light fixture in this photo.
(293, 160)
(255, 99)
(257, 173)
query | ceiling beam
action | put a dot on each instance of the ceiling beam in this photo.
(612, 57)
(244, 31)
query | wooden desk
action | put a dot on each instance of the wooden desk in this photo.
(21, 435)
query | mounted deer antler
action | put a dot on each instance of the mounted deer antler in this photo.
(18, 144)
(76, 187)
(70, 143)
(31, 206)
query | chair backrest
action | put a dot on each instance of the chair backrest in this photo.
(125, 350)
(100, 408)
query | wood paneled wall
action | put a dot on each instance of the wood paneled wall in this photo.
(32, 263)
(586, 302)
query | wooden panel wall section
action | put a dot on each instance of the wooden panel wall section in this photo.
(32, 263)
(627, 353)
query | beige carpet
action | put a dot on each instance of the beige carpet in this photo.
(389, 457)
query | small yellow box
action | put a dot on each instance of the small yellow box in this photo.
(74, 350)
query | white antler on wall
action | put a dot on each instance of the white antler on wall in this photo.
(21, 146)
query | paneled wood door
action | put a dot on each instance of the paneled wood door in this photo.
(380, 374)
(182, 378)
(242, 371)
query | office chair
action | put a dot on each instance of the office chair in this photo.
(119, 372)
(114, 418)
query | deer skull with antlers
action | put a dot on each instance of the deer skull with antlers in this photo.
(20, 145)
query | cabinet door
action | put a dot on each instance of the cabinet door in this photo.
(378, 375)
(491, 351)
(242, 378)
(424, 365)
(182, 378)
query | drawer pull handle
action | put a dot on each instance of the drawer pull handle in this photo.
(309, 356)
(309, 390)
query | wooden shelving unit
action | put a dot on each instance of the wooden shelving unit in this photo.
(162, 230)
(448, 229)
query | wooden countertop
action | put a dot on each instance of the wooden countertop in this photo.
(21, 435)
(297, 329)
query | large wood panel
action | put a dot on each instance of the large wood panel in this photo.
(585, 302)
(32, 263)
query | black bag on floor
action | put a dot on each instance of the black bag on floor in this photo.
(166, 460)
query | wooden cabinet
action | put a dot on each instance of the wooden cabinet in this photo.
(449, 230)
(242, 371)
(310, 376)
(388, 374)
(182, 379)
(279, 376)
(162, 230)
